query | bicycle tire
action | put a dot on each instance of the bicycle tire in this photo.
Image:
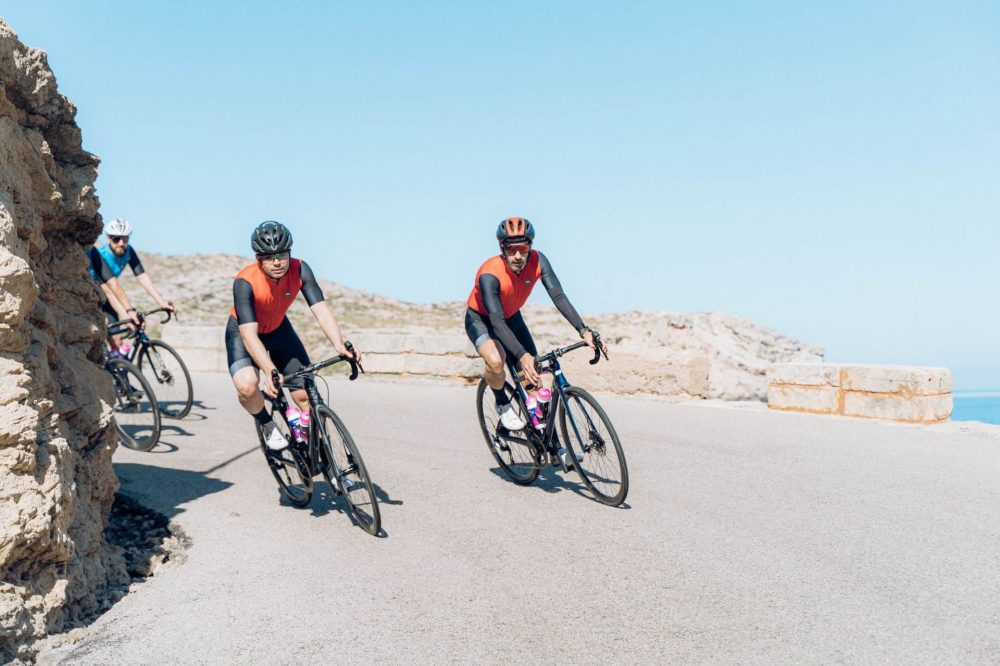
(288, 466)
(523, 461)
(345, 469)
(596, 467)
(132, 406)
(174, 390)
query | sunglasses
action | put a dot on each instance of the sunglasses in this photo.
(118, 239)
(511, 250)
(274, 256)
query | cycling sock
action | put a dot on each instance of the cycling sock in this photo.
(501, 396)
(262, 417)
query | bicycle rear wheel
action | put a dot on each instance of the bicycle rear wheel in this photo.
(288, 465)
(514, 452)
(165, 370)
(345, 470)
(588, 434)
(137, 416)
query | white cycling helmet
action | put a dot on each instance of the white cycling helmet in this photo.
(118, 227)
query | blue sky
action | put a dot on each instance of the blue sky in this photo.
(829, 170)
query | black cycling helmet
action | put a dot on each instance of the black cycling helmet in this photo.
(515, 230)
(271, 237)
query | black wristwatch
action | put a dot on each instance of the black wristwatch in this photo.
(584, 330)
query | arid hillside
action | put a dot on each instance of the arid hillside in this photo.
(735, 350)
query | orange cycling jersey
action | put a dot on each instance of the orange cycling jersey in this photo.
(514, 287)
(264, 300)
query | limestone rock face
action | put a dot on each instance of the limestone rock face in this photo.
(56, 480)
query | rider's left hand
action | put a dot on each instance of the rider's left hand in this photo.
(588, 337)
(170, 306)
(356, 354)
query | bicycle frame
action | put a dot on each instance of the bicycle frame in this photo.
(550, 362)
(308, 377)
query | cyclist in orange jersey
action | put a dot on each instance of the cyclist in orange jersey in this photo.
(493, 318)
(259, 335)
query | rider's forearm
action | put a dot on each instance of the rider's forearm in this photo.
(328, 322)
(258, 352)
(119, 293)
(147, 284)
(113, 301)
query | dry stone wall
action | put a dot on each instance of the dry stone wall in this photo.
(56, 481)
(890, 392)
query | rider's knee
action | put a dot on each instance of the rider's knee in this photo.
(246, 387)
(494, 361)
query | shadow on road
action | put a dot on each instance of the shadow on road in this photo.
(550, 479)
(165, 489)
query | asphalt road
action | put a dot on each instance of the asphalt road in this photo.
(749, 537)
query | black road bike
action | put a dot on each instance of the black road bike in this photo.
(329, 450)
(591, 444)
(136, 412)
(162, 366)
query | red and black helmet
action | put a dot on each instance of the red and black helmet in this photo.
(515, 230)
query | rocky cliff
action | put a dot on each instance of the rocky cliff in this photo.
(56, 480)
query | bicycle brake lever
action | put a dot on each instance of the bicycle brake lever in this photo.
(597, 350)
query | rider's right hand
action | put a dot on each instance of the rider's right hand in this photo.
(269, 388)
(528, 369)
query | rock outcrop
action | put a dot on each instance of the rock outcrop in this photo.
(56, 481)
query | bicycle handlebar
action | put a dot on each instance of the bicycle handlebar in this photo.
(276, 376)
(556, 353)
(119, 326)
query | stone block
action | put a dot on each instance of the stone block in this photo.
(812, 399)
(804, 374)
(439, 344)
(916, 409)
(442, 366)
(383, 364)
(204, 360)
(901, 380)
(194, 337)
(381, 343)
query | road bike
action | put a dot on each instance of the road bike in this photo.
(329, 450)
(136, 412)
(591, 443)
(162, 366)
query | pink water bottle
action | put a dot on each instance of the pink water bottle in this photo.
(532, 405)
(304, 425)
(294, 417)
(544, 396)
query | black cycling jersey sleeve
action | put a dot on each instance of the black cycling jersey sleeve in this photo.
(100, 267)
(551, 283)
(310, 287)
(246, 313)
(135, 264)
(489, 290)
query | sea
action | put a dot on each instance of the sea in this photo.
(977, 406)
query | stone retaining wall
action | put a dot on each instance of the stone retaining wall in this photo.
(896, 393)
(660, 371)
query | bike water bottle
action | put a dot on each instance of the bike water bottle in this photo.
(544, 398)
(304, 425)
(532, 406)
(125, 348)
(294, 417)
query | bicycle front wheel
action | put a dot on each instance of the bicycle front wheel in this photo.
(588, 434)
(165, 370)
(513, 450)
(288, 466)
(137, 416)
(345, 470)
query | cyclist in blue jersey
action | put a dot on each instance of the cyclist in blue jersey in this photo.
(107, 263)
